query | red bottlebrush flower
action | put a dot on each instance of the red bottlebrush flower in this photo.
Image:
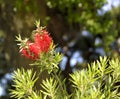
(41, 43)
(31, 50)
(43, 40)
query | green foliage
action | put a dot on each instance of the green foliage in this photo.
(54, 89)
(115, 65)
(26, 6)
(51, 88)
(98, 81)
(24, 84)
(77, 10)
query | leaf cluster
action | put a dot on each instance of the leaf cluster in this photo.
(76, 10)
(97, 81)
(24, 84)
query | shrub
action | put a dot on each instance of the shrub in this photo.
(98, 81)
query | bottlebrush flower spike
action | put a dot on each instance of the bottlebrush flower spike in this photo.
(43, 40)
(41, 43)
(31, 50)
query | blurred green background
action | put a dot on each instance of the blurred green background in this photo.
(82, 29)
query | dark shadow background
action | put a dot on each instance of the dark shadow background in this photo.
(82, 29)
